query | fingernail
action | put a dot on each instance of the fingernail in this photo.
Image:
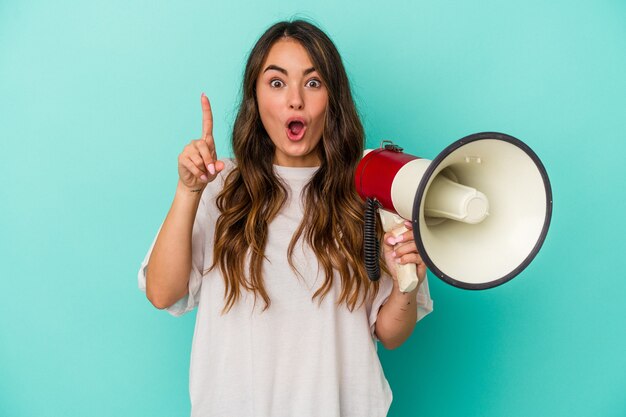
(398, 260)
(399, 238)
(201, 95)
(394, 254)
(211, 169)
(408, 224)
(203, 177)
(391, 241)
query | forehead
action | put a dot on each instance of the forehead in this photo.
(289, 54)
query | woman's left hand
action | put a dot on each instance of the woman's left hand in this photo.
(402, 250)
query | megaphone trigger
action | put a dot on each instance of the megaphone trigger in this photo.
(405, 274)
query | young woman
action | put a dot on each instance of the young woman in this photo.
(268, 246)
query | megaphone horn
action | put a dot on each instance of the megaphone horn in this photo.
(480, 210)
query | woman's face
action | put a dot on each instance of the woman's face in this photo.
(292, 103)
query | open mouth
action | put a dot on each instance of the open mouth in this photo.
(296, 129)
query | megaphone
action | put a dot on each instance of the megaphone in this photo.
(480, 210)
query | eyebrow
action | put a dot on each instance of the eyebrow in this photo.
(284, 71)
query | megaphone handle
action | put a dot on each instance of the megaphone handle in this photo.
(406, 274)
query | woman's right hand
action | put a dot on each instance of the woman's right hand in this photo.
(197, 163)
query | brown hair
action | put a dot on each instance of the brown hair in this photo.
(252, 196)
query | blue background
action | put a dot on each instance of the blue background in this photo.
(98, 99)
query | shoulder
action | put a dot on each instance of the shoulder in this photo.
(229, 165)
(213, 188)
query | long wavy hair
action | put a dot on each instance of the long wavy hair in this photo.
(252, 196)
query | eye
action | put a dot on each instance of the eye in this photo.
(314, 83)
(276, 83)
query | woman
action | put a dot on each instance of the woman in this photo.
(268, 246)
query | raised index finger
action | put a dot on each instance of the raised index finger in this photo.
(207, 117)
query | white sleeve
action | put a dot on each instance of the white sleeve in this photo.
(198, 245)
(424, 302)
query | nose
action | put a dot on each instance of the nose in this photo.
(295, 99)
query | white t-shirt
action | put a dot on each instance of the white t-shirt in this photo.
(296, 358)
